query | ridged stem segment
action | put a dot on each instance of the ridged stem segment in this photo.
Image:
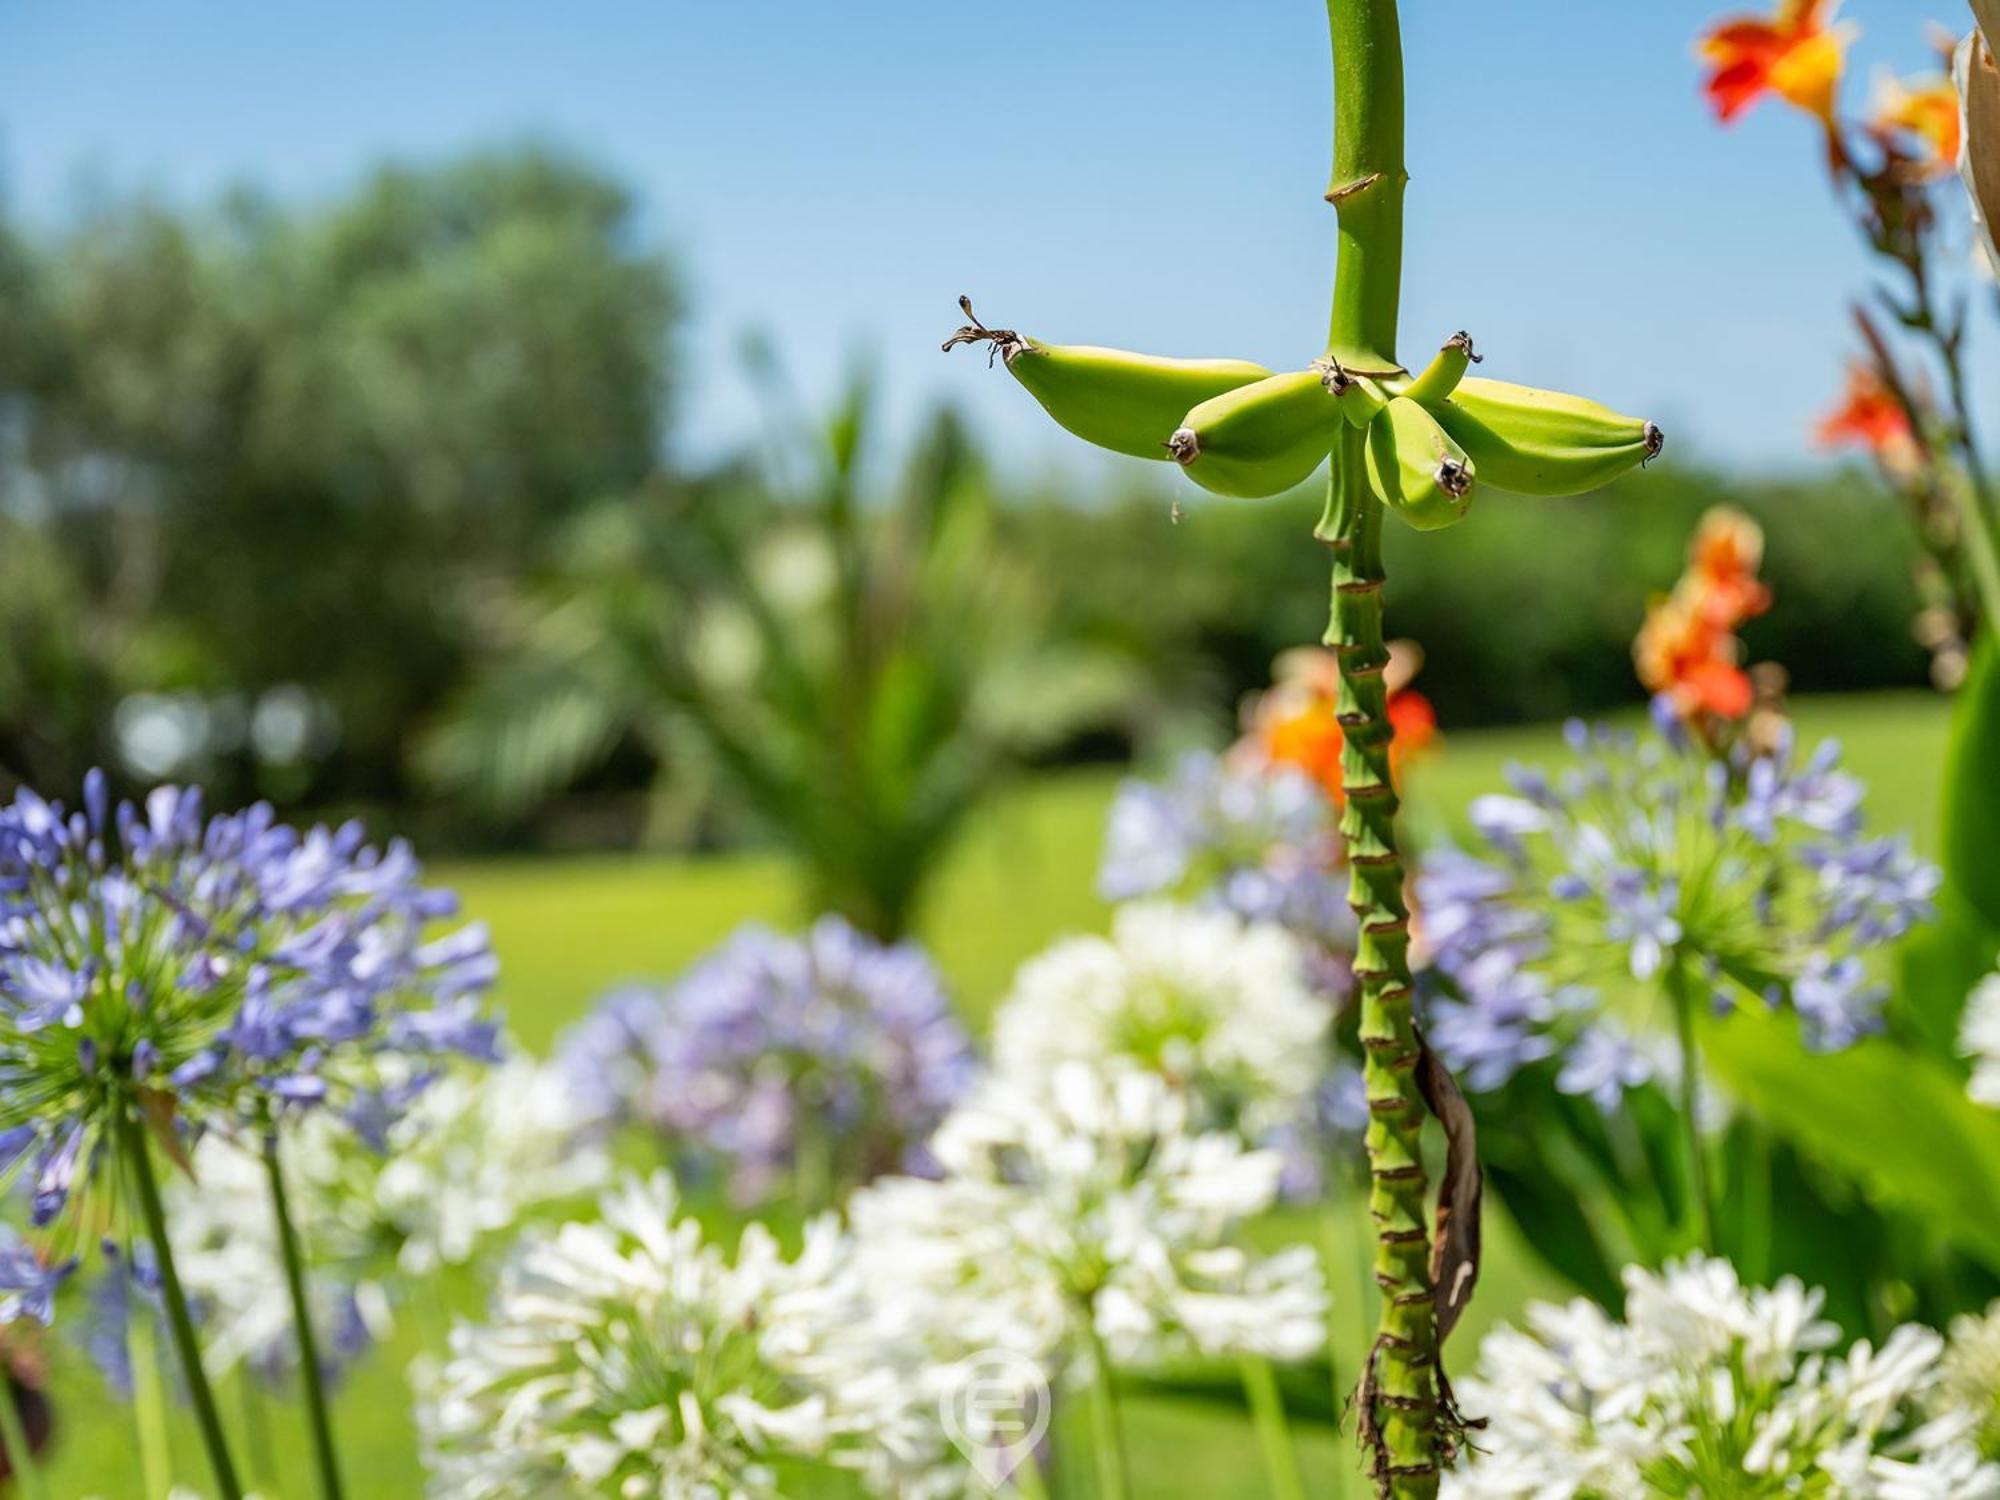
(1399, 1399)
(1400, 1419)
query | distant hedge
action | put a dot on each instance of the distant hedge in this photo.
(1526, 611)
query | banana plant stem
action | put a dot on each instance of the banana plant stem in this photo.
(180, 1323)
(1398, 1404)
(311, 1377)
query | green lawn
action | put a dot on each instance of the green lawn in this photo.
(567, 928)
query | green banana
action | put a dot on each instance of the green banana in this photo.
(1260, 439)
(1542, 442)
(1441, 377)
(1416, 469)
(1129, 403)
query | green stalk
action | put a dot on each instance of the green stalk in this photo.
(132, 1140)
(149, 1399)
(1690, 1096)
(1366, 189)
(1107, 1435)
(25, 1468)
(310, 1374)
(1274, 1432)
(257, 1433)
(1400, 1417)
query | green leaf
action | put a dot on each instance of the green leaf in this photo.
(1898, 1122)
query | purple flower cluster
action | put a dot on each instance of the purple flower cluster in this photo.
(233, 964)
(821, 1061)
(1649, 870)
(1259, 840)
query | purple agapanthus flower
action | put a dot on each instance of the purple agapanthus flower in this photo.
(1649, 875)
(1261, 841)
(231, 966)
(817, 1061)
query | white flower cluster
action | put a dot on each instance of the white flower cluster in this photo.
(476, 1152)
(1979, 1039)
(1709, 1388)
(627, 1358)
(1970, 1378)
(1217, 1006)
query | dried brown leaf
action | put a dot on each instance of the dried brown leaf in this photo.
(1455, 1251)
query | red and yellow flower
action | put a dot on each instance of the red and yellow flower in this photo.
(1927, 113)
(1796, 55)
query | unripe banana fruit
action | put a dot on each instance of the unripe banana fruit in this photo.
(1441, 377)
(1129, 403)
(1260, 439)
(1416, 469)
(1542, 442)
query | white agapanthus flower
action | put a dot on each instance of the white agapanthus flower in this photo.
(1709, 1388)
(227, 1251)
(1979, 1039)
(1218, 1006)
(628, 1358)
(475, 1153)
(1970, 1382)
(1077, 1210)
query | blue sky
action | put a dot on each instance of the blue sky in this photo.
(1099, 171)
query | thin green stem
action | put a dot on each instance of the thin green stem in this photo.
(1107, 1432)
(257, 1432)
(1689, 1103)
(149, 1400)
(311, 1377)
(1274, 1431)
(1027, 1481)
(201, 1397)
(22, 1464)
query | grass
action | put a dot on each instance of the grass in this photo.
(567, 928)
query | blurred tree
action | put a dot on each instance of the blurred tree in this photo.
(286, 451)
(859, 676)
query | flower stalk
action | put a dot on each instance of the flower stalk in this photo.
(311, 1376)
(1699, 1187)
(201, 1397)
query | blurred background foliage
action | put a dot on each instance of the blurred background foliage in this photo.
(375, 504)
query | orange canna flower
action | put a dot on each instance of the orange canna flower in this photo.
(1310, 740)
(1927, 112)
(1868, 415)
(1686, 655)
(1795, 54)
(1723, 559)
(1297, 722)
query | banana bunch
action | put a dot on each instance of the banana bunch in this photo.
(1240, 430)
